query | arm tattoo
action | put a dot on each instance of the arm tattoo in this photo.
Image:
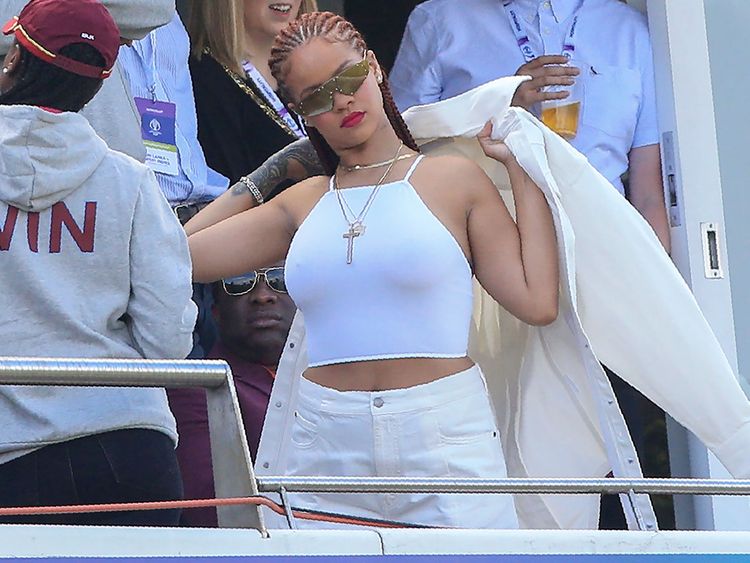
(239, 188)
(304, 153)
(276, 168)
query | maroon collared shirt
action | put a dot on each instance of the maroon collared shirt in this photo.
(253, 383)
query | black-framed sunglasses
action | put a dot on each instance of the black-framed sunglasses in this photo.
(347, 82)
(240, 285)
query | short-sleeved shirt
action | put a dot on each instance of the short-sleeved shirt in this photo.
(452, 46)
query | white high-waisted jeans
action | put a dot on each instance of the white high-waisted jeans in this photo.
(445, 428)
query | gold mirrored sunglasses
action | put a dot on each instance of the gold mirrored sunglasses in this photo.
(347, 82)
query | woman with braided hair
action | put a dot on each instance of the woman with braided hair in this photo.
(380, 258)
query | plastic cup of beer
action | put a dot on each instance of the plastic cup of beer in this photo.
(562, 116)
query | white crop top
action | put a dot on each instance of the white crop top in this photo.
(406, 294)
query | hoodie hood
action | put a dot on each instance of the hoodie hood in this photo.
(45, 156)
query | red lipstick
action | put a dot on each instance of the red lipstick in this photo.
(353, 119)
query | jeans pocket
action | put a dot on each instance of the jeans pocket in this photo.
(304, 431)
(481, 456)
(471, 438)
(467, 421)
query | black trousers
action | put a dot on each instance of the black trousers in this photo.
(133, 465)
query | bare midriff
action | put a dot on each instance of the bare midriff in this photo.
(380, 375)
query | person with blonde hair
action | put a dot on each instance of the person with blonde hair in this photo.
(241, 120)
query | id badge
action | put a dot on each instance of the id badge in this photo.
(158, 133)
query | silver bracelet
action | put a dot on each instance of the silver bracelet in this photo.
(252, 188)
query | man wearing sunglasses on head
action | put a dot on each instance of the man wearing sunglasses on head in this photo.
(253, 314)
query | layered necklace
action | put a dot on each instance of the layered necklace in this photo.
(355, 167)
(356, 221)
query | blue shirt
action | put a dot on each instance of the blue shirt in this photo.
(195, 182)
(451, 46)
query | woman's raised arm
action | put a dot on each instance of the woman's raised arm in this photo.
(253, 239)
(297, 161)
(515, 261)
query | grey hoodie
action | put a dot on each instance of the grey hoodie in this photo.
(93, 264)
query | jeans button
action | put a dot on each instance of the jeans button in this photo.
(378, 402)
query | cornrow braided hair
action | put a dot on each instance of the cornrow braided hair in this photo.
(336, 29)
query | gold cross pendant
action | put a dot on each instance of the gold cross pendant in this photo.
(355, 229)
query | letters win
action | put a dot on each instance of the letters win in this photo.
(59, 216)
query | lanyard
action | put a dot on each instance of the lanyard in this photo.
(568, 48)
(278, 106)
(149, 66)
(154, 74)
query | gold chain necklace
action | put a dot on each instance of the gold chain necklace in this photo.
(355, 167)
(356, 224)
(246, 89)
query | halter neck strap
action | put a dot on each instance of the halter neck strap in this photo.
(413, 167)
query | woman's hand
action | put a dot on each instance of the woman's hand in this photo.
(493, 148)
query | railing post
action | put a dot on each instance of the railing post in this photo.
(230, 455)
(232, 463)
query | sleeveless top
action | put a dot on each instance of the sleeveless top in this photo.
(407, 292)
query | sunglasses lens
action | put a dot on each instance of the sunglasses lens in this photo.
(318, 102)
(350, 80)
(275, 279)
(349, 86)
(347, 82)
(240, 285)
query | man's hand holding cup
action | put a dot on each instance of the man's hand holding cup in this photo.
(553, 86)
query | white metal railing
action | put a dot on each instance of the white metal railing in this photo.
(113, 373)
(310, 484)
(230, 455)
(498, 486)
(232, 465)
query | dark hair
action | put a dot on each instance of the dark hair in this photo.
(40, 83)
(333, 28)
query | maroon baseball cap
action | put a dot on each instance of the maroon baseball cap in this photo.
(46, 26)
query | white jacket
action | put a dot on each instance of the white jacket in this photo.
(622, 302)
